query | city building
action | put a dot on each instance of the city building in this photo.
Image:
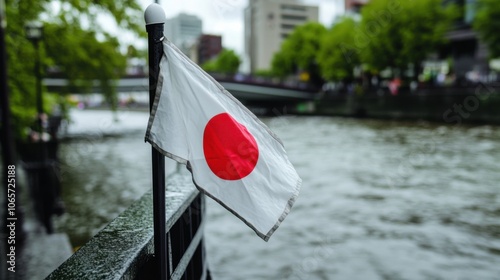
(354, 6)
(183, 30)
(268, 23)
(469, 54)
(205, 48)
(209, 46)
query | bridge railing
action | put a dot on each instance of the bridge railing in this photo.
(125, 248)
(140, 84)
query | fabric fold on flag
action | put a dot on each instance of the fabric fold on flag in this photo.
(234, 158)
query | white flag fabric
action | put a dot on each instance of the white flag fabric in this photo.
(234, 158)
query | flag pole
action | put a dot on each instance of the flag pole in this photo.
(155, 20)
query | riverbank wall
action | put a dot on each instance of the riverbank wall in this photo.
(479, 104)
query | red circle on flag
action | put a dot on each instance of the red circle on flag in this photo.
(230, 150)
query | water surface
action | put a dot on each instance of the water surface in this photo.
(380, 199)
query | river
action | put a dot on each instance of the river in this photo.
(380, 199)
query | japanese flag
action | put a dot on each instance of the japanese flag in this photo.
(234, 158)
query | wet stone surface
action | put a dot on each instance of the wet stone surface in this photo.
(121, 248)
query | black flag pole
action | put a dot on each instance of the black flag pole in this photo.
(155, 20)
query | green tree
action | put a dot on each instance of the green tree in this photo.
(264, 73)
(398, 33)
(227, 62)
(299, 51)
(73, 40)
(281, 66)
(210, 66)
(336, 57)
(487, 24)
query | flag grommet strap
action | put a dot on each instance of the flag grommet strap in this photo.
(234, 158)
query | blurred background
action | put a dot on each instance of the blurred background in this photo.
(388, 109)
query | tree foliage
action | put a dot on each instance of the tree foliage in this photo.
(336, 57)
(487, 24)
(227, 62)
(73, 41)
(264, 73)
(398, 33)
(281, 65)
(299, 50)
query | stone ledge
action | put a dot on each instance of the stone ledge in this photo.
(123, 247)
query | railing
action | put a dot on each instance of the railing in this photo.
(125, 248)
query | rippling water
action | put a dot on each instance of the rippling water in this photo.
(106, 166)
(380, 199)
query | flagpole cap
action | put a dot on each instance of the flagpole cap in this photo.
(154, 14)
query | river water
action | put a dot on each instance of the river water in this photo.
(379, 199)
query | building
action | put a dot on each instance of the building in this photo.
(354, 6)
(209, 46)
(464, 47)
(205, 48)
(183, 30)
(267, 23)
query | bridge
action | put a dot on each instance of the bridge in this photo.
(248, 92)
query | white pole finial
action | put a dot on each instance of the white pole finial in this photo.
(154, 14)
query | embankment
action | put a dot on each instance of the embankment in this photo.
(479, 104)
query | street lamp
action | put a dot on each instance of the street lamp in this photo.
(34, 33)
(34, 30)
(40, 170)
